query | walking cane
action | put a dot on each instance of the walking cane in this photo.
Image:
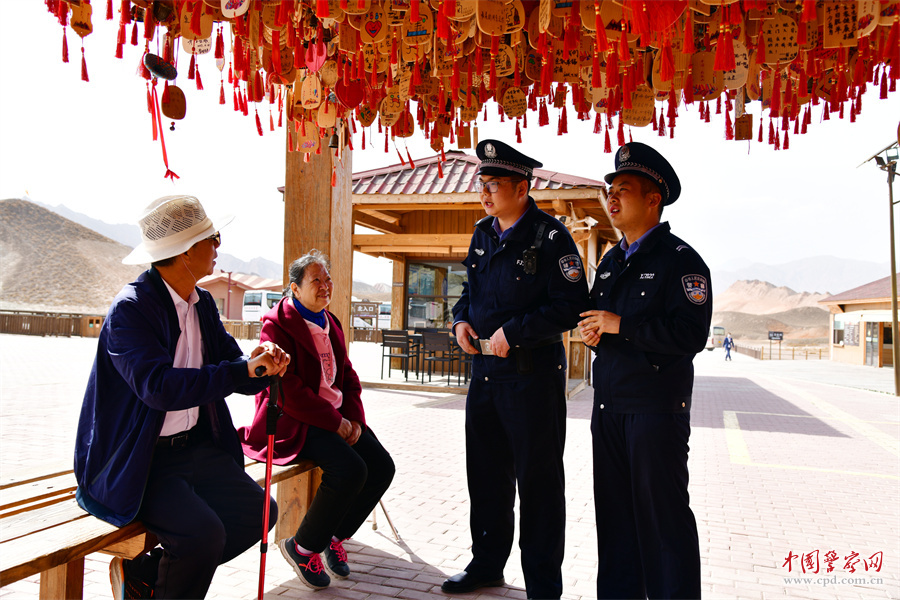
(272, 414)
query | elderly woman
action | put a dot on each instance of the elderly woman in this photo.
(323, 421)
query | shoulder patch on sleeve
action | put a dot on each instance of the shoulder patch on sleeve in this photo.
(571, 268)
(696, 288)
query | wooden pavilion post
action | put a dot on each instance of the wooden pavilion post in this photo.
(317, 215)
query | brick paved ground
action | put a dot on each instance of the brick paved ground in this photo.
(787, 458)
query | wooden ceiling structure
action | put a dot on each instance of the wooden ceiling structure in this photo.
(419, 214)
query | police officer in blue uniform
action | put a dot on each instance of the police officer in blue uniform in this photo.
(526, 286)
(653, 306)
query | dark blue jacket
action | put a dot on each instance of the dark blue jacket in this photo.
(662, 293)
(133, 383)
(533, 309)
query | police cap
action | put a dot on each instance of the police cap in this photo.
(500, 160)
(641, 159)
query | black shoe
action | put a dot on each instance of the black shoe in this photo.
(462, 583)
(336, 560)
(307, 567)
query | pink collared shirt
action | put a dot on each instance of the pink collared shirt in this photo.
(327, 389)
(188, 355)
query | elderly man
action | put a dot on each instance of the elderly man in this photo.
(155, 439)
(525, 287)
(653, 308)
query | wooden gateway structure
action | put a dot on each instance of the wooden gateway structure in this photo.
(423, 222)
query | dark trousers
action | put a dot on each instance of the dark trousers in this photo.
(646, 533)
(205, 510)
(515, 435)
(354, 478)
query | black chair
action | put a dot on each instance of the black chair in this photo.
(464, 366)
(398, 340)
(436, 348)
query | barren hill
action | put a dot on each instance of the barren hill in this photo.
(762, 298)
(48, 262)
(750, 309)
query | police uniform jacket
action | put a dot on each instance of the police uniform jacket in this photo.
(133, 384)
(663, 296)
(532, 308)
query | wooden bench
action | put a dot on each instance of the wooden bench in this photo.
(43, 530)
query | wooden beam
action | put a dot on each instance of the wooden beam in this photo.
(384, 215)
(375, 223)
(396, 201)
(376, 250)
(413, 239)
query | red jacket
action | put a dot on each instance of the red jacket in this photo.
(303, 406)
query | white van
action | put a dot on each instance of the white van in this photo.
(254, 309)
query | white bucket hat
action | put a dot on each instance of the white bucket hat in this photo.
(171, 225)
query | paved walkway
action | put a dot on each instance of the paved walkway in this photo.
(788, 459)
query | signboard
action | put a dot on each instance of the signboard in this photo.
(851, 334)
(776, 336)
(364, 309)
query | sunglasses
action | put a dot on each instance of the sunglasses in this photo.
(216, 238)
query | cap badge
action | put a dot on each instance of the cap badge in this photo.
(490, 151)
(624, 153)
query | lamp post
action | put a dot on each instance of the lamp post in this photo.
(888, 163)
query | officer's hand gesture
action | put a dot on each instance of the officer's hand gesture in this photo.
(499, 345)
(463, 332)
(596, 324)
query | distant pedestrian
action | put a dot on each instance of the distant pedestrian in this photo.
(728, 344)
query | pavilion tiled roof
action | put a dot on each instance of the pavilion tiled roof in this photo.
(875, 290)
(458, 177)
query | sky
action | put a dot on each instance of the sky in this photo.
(88, 145)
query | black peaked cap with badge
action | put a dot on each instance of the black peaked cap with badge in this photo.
(641, 159)
(502, 160)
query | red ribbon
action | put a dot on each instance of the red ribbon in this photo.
(157, 124)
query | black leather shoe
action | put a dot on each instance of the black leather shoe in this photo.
(462, 583)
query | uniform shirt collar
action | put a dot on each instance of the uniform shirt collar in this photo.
(636, 244)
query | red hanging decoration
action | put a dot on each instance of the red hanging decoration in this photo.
(195, 18)
(157, 127)
(543, 116)
(84, 72)
(729, 126)
(221, 92)
(772, 134)
(322, 9)
(518, 133)
(109, 10)
(134, 34)
(607, 146)
(191, 68)
(412, 165)
(414, 15)
(662, 126)
(198, 81)
(65, 47)
(620, 134)
(688, 46)
(760, 132)
(786, 141)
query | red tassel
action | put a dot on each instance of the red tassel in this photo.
(786, 142)
(719, 105)
(612, 70)
(760, 48)
(221, 92)
(777, 142)
(724, 60)
(598, 123)
(198, 81)
(729, 127)
(602, 41)
(688, 46)
(412, 165)
(563, 122)
(149, 100)
(259, 128)
(65, 47)
(237, 106)
(624, 52)
(620, 134)
(760, 132)
(883, 91)
(414, 11)
(84, 73)
(772, 134)
(707, 111)
(518, 133)
(322, 9)
(271, 122)
(607, 147)
(109, 10)
(440, 170)
(333, 176)
(195, 18)
(191, 68)
(892, 45)
(543, 117)
(653, 120)
(134, 34)
(220, 45)
(662, 125)
(826, 116)
(667, 63)
(689, 87)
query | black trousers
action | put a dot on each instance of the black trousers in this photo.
(515, 435)
(646, 533)
(205, 510)
(354, 478)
